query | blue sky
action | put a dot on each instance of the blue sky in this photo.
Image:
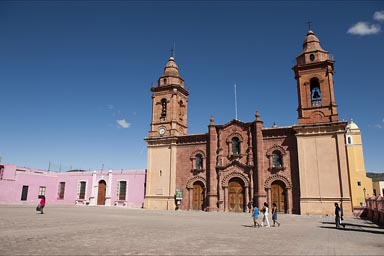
(75, 76)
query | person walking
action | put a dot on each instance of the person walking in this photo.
(42, 204)
(265, 216)
(274, 215)
(338, 216)
(255, 216)
(250, 208)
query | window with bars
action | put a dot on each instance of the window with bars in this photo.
(199, 162)
(122, 190)
(61, 190)
(235, 146)
(277, 159)
(81, 189)
(42, 191)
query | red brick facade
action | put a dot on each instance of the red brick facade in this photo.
(238, 162)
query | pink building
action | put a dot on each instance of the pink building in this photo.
(112, 188)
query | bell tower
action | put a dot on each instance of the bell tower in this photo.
(314, 74)
(169, 103)
(169, 120)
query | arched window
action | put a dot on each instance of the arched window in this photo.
(277, 160)
(164, 107)
(199, 162)
(315, 92)
(349, 140)
(235, 146)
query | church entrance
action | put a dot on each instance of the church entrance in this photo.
(236, 202)
(101, 193)
(198, 196)
(278, 195)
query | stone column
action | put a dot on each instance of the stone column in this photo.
(109, 189)
(212, 181)
(246, 197)
(190, 198)
(205, 199)
(260, 155)
(92, 200)
(225, 199)
(289, 200)
(251, 184)
(269, 198)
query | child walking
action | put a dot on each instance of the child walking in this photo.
(255, 216)
(274, 215)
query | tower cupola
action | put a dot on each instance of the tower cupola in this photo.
(171, 75)
(312, 51)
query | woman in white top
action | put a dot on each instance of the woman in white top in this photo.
(265, 216)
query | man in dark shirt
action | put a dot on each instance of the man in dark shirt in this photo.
(338, 216)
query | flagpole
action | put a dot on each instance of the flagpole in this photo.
(235, 102)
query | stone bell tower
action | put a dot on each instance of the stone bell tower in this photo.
(169, 103)
(314, 74)
(169, 120)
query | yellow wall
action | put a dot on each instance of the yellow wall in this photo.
(357, 173)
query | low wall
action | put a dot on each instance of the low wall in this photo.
(373, 210)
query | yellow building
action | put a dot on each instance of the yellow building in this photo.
(360, 184)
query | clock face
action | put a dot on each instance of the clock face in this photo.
(161, 131)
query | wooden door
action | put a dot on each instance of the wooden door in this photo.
(101, 193)
(235, 196)
(278, 196)
(198, 197)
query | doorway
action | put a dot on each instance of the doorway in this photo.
(236, 202)
(278, 195)
(101, 193)
(198, 196)
(24, 193)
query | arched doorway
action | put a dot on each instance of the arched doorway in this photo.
(278, 195)
(236, 202)
(198, 196)
(101, 193)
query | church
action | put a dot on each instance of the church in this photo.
(302, 168)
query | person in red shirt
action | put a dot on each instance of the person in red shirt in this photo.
(42, 204)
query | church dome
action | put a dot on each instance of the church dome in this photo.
(171, 69)
(351, 125)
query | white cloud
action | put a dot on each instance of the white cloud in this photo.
(123, 123)
(363, 28)
(379, 16)
(379, 126)
(110, 106)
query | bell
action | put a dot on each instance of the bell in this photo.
(316, 94)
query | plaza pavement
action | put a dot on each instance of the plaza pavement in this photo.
(100, 230)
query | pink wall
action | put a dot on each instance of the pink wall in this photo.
(13, 178)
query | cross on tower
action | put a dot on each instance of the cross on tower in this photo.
(309, 24)
(173, 51)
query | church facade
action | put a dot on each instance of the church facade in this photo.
(302, 168)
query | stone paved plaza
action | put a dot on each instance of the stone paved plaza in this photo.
(98, 230)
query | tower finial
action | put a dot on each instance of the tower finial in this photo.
(309, 24)
(173, 50)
